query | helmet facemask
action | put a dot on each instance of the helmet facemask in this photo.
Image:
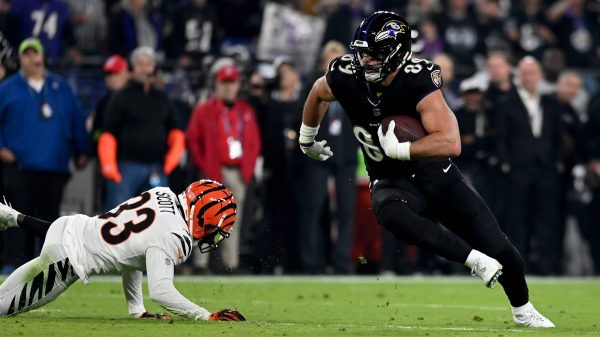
(211, 241)
(387, 58)
(386, 38)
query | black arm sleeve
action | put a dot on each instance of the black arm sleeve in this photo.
(36, 226)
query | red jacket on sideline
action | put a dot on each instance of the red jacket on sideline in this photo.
(203, 138)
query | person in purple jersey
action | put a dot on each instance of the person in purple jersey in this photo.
(48, 20)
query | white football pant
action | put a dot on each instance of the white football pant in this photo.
(41, 280)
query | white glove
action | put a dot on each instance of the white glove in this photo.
(315, 150)
(390, 144)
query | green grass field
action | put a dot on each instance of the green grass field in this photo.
(292, 306)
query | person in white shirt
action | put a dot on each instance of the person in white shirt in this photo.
(151, 232)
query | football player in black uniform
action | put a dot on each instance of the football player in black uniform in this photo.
(415, 187)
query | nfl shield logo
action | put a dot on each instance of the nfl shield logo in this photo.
(436, 77)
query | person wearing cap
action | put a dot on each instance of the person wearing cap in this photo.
(116, 76)
(140, 144)
(224, 143)
(474, 133)
(42, 126)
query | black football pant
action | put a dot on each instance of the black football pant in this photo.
(439, 211)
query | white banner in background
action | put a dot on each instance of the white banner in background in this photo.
(287, 32)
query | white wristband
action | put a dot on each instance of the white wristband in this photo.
(403, 151)
(307, 134)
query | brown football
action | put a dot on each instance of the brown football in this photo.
(407, 129)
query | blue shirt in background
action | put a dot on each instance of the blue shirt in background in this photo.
(39, 142)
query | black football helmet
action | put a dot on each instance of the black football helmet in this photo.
(386, 37)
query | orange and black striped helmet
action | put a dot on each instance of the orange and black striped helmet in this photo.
(211, 211)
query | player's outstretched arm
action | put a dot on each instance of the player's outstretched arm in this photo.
(159, 267)
(160, 271)
(443, 139)
(132, 286)
(314, 109)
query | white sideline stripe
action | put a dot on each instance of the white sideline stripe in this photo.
(449, 306)
(406, 327)
(347, 279)
(351, 279)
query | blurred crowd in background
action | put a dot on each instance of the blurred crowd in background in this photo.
(144, 93)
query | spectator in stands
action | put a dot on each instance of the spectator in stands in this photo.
(458, 28)
(240, 20)
(592, 134)
(89, 21)
(316, 246)
(499, 71)
(9, 33)
(416, 10)
(472, 120)
(41, 127)
(446, 63)
(140, 144)
(258, 96)
(283, 169)
(224, 143)
(116, 76)
(195, 31)
(529, 146)
(569, 86)
(528, 29)
(490, 27)
(343, 21)
(578, 32)
(48, 20)
(432, 42)
(134, 25)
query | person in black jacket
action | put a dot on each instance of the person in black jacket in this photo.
(140, 144)
(592, 135)
(316, 247)
(529, 146)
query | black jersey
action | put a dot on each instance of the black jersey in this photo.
(416, 79)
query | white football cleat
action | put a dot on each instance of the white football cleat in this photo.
(484, 267)
(8, 216)
(526, 315)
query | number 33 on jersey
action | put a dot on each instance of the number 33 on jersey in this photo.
(119, 238)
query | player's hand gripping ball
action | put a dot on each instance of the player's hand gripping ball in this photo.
(407, 129)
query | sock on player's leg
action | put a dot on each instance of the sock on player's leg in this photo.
(36, 226)
(513, 277)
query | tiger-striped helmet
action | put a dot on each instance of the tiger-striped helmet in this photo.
(210, 210)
